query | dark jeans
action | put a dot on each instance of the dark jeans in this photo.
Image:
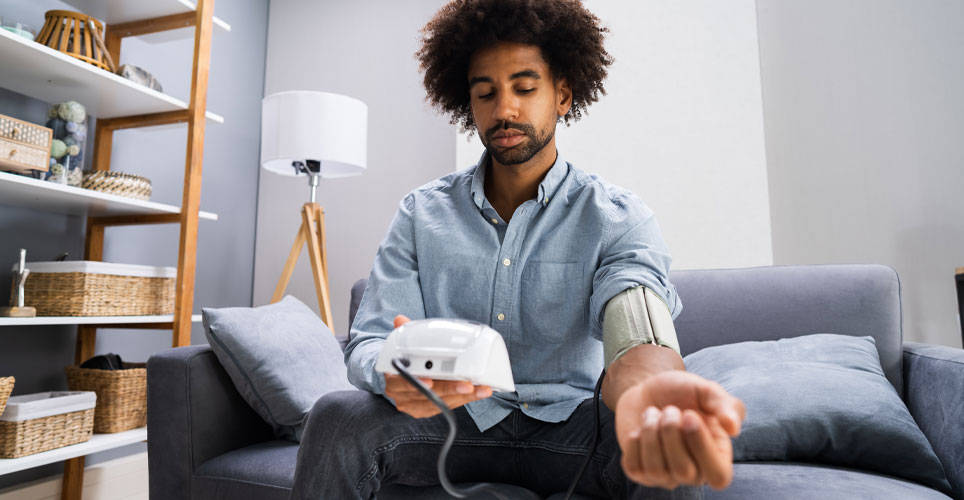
(355, 442)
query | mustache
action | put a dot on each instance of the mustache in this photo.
(525, 128)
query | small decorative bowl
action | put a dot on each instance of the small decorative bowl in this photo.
(119, 183)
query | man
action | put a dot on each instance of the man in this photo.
(552, 258)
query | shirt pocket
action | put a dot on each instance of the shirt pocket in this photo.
(554, 302)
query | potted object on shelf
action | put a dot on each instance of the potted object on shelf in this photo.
(24, 146)
(68, 121)
(18, 28)
(39, 422)
(88, 288)
(121, 391)
(17, 309)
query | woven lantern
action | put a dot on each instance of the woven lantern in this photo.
(69, 32)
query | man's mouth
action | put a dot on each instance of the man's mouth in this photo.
(507, 138)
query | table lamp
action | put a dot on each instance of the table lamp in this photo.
(315, 134)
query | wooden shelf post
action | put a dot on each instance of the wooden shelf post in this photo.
(202, 20)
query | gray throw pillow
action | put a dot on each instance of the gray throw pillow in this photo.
(820, 398)
(281, 358)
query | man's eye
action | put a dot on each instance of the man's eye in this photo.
(486, 96)
(526, 91)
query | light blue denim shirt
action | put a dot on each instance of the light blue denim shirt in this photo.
(542, 280)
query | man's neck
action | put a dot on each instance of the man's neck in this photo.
(508, 186)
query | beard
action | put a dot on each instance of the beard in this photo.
(519, 153)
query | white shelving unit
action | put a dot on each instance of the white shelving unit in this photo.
(52, 76)
(37, 71)
(92, 320)
(98, 442)
(25, 192)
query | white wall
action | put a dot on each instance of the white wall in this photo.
(681, 126)
(364, 50)
(864, 124)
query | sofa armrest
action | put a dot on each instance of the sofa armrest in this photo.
(934, 393)
(194, 413)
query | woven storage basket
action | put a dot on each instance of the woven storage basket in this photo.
(121, 395)
(119, 183)
(6, 387)
(83, 288)
(22, 437)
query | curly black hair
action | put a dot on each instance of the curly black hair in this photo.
(568, 35)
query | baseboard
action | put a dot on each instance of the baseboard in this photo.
(123, 478)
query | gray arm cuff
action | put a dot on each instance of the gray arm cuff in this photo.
(633, 317)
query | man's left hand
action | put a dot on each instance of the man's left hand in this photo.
(674, 429)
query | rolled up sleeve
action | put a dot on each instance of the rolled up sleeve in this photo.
(393, 288)
(634, 254)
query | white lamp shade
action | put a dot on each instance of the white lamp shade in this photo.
(305, 125)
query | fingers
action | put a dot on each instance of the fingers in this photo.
(714, 400)
(423, 407)
(396, 384)
(655, 469)
(401, 320)
(671, 448)
(712, 452)
(680, 464)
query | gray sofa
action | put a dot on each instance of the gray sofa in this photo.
(204, 442)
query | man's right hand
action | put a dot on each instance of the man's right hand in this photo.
(407, 399)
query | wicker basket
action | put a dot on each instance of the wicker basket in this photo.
(119, 183)
(25, 436)
(121, 395)
(82, 288)
(68, 32)
(6, 387)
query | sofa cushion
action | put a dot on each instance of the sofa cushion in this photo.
(797, 481)
(281, 357)
(261, 471)
(820, 398)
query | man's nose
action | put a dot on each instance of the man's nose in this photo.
(506, 107)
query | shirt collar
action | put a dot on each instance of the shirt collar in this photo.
(547, 188)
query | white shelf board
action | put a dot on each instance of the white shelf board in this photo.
(123, 11)
(98, 442)
(91, 320)
(26, 192)
(40, 72)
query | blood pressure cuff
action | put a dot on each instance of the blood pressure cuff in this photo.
(633, 317)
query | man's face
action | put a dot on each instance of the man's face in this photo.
(515, 101)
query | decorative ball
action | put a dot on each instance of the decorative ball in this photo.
(57, 169)
(52, 112)
(73, 150)
(58, 149)
(69, 141)
(58, 126)
(72, 111)
(53, 161)
(72, 127)
(77, 138)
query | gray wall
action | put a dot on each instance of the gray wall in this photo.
(681, 125)
(864, 112)
(363, 50)
(37, 355)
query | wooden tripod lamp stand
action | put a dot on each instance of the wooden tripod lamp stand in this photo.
(316, 134)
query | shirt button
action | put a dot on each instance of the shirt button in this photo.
(495, 221)
(546, 200)
(501, 317)
(525, 405)
(506, 262)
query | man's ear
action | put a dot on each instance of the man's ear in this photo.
(563, 97)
